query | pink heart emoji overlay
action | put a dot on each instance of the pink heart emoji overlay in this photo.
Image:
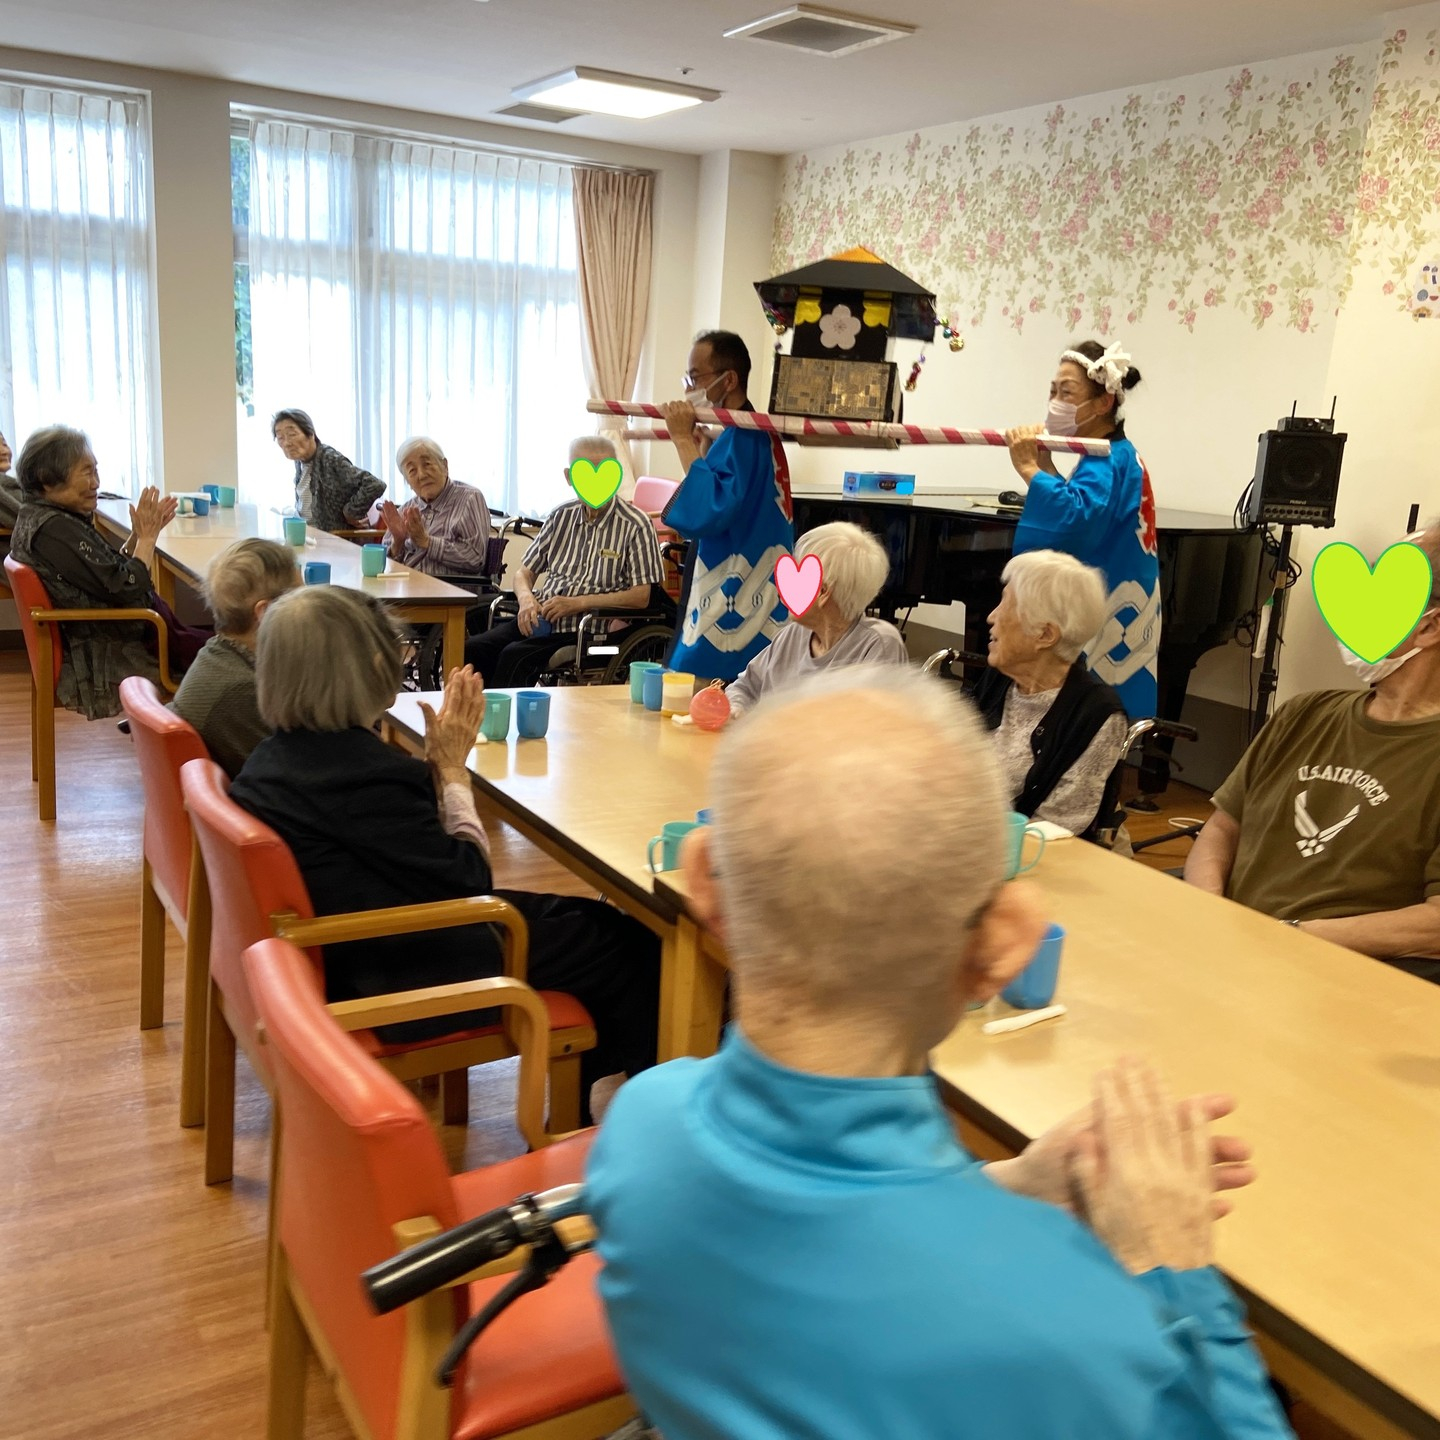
(798, 584)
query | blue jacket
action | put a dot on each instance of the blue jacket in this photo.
(796, 1257)
(736, 508)
(1104, 515)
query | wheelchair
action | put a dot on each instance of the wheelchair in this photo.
(425, 660)
(1108, 831)
(594, 654)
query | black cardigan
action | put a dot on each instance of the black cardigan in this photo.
(362, 822)
(1081, 708)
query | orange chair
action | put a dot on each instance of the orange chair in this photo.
(170, 870)
(361, 1177)
(40, 624)
(256, 891)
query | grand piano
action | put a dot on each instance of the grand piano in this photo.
(950, 545)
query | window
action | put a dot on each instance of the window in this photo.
(76, 317)
(392, 287)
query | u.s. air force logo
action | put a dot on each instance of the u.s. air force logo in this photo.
(1312, 838)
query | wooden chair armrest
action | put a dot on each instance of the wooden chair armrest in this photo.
(150, 617)
(437, 1000)
(412, 920)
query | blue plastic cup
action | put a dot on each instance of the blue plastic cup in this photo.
(703, 817)
(652, 688)
(213, 491)
(1034, 987)
(638, 671)
(532, 714)
(200, 504)
(317, 572)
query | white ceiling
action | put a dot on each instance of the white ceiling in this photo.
(462, 57)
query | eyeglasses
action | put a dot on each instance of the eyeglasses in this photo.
(687, 382)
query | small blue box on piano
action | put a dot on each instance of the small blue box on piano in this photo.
(877, 482)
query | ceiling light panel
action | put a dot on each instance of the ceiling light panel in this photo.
(608, 92)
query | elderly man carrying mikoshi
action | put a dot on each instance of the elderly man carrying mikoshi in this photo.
(795, 1243)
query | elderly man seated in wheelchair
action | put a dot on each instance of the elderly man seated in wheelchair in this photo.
(587, 558)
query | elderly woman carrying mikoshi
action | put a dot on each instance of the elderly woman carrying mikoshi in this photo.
(332, 492)
(1058, 730)
(55, 535)
(835, 630)
(1103, 514)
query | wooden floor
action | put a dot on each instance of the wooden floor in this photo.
(133, 1292)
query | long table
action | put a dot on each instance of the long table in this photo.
(189, 543)
(591, 794)
(1335, 1060)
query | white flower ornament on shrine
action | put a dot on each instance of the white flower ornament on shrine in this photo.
(839, 329)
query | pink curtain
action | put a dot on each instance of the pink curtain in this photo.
(613, 234)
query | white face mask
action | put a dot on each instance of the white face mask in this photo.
(1372, 672)
(700, 395)
(1060, 418)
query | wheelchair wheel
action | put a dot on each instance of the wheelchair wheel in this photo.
(649, 642)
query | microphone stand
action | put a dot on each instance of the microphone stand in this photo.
(1274, 636)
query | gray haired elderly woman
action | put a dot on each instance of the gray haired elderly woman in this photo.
(332, 492)
(369, 826)
(835, 630)
(217, 695)
(1058, 730)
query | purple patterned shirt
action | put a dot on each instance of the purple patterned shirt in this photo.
(458, 522)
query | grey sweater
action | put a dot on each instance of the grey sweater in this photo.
(217, 697)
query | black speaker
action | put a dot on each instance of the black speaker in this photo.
(1297, 476)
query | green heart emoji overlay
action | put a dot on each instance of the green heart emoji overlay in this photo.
(595, 484)
(1371, 609)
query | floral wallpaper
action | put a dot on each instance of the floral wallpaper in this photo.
(1235, 190)
(1398, 205)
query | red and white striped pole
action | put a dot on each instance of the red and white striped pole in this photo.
(794, 425)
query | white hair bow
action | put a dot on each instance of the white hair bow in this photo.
(1109, 370)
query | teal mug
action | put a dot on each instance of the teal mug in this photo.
(669, 840)
(532, 714)
(638, 672)
(1034, 987)
(496, 724)
(1019, 827)
(225, 496)
(372, 560)
(294, 530)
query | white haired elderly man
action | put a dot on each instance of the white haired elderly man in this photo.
(586, 557)
(445, 528)
(1331, 820)
(835, 630)
(1058, 728)
(796, 1245)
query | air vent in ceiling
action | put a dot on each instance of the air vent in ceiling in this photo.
(821, 32)
(538, 112)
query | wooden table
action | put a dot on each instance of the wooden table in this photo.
(1335, 1060)
(190, 542)
(591, 794)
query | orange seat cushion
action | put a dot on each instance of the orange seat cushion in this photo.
(565, 1011)
(550, 1352)
(547, 1355)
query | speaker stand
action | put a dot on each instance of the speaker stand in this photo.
(1274, 637)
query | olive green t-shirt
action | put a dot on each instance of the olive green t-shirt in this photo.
(1339, 814)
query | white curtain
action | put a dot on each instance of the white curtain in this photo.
(76, 318)
(401, 288)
